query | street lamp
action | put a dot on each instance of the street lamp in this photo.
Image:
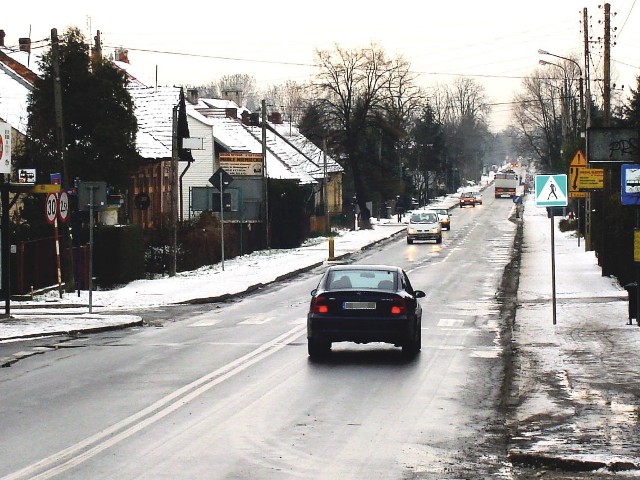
(565, 97)
(585, 121)
(582, 113)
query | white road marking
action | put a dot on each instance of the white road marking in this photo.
(256, 320)
(65, 459)
(206, 322)
(450, 322)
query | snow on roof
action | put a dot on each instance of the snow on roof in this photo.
(237, 137)
(154, 111)
(315, 154)
(294, 161)
(136, 79)
(221, 104)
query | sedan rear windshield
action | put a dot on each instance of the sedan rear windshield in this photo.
(370, 279)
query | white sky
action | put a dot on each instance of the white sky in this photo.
(495, 41)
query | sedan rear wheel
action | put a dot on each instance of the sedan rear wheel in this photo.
(318, 348)
(413, 346)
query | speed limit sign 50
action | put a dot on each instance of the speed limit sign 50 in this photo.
(63, 206)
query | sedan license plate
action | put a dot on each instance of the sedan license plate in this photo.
(359, 305)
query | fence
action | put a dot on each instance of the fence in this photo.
(34, 266)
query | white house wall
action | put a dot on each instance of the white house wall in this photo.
(203, 166)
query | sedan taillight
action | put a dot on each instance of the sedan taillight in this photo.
(319, 304)
(398, 307)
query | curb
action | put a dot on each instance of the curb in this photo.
(286, 276)
(569, 464)
(78, 331)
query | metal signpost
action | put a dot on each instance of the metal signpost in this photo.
(551, 191)
(221, 180)
(91, 195)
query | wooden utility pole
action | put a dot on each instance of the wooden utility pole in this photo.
(587, 119)
(65, 238)
(264, 173)
(174, 193)
(606, 93)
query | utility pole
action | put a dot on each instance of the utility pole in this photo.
(606, 105)
(587, 79)
(67, 252)
(264, 173)
(174, 193)
(606, 99)
(325, 187)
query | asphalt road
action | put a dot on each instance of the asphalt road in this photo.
(227, 390)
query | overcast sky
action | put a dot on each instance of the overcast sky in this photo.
(494, 41)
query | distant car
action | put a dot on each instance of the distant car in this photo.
(445, 218)
(364, 304)
(478, 198)
(424, 225)
(466, 199)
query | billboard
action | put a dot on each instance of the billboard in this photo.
(613, 145)
(241, 164)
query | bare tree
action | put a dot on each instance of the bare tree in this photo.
(537, 115)
(241, 88)
(287, 98)
(462, 108)
(363, 97)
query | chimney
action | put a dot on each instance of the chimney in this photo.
(24, 44)
(246, 118)
(192, 96)
(2, 35)
(123, 55)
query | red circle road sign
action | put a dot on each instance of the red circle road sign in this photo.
(51, 207)
(63, 206)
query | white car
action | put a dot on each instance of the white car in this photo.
(444, 216)
(424, 225)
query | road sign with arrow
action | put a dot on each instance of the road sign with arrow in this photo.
(577, 164)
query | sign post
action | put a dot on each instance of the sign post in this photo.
(221, 180)
(578, 162)
(551, 191)
(52, 212)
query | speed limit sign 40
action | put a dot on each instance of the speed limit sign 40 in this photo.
(51, 208)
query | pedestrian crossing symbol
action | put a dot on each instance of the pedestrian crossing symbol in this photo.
(551, 190)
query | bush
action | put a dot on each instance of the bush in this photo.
(567, 224)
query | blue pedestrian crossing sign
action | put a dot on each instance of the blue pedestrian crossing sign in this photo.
(551, 190)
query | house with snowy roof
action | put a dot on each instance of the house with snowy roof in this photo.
(228, 131)
(18, 75)
(223, 127)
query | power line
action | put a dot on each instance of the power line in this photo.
(275, 62)
(627, 18)
(216, 57)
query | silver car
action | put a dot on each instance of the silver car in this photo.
(424, 226)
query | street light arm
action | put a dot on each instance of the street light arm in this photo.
(582, 107)
(544, 52)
